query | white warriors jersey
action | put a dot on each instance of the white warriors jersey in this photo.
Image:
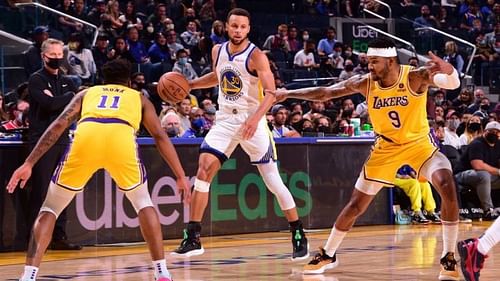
(238, 87)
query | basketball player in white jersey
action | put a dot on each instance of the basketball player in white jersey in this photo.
(242, 72)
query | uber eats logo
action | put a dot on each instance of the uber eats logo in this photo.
(251, 183)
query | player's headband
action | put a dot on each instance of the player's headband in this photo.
(382, 52)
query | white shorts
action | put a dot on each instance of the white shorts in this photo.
(225, 135)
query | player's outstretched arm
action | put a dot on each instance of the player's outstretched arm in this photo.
(164, 145)
(70, 114)
(355, 84)
(210, 79)
(436, 72)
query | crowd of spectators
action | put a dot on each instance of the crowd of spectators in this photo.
(176, 35)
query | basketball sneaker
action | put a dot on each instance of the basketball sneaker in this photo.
(190, 246)
(300, 245)
(320, 263)
(433, 217)
(449, 269)
(419, 218)
(472, 260)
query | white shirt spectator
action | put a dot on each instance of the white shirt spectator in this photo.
(302, 59)
(81, 64)
(361, 108)
(451, 138)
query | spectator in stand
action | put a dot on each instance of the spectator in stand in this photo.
(16, 118)
(106, 27)
(439, 113)
(348, 71)
(168, 24)
(316, 107)
(462, 102)
(439, 98)
(183, 66)
(188, 15)
(478, 97)
(349, 55)
(207, 16)
(362, 67)
(305, 37)
(113, 11)
(426, 19)
(171, 124)
(335, 58)
(79, 11)
(305, 57)
(155, 21)
(159, 51)
(218, 33)
(191, 37)
(493, 39)
(484, 108)
(450, 131)
(80, 60)
(413, 61)
(470, 15)
(32, 58)
(210, 115)
(323, 125)
(326, 45)
(64, 24)
(446, 21)
(49, 92)
(138, 83)
(120, 50)
(94, 16)
(173, 45)
(297, 107)
(184, 111)
(293, 41)
(129, 18)
(279, 127)
(199, 125)
(473, 129)
(480, 167)
(136, 47)
(417, 191)
(278, 41)
(361, 109)
(295, 120)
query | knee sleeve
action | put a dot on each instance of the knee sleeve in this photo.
(437, 162)
(271, 176)
(139, 197)
(201, 186)
(57, 199)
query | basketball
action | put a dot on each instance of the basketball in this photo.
(173, 87)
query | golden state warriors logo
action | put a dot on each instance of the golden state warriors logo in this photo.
(230, 84)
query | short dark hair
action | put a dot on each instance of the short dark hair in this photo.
(239, 12)
(181, 51)
(381, 42)
(116, 71)
(134, 75)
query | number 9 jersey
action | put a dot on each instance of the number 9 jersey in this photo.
(397, 113)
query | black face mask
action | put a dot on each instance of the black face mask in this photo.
(54, 63)
(491, 138)
(172, 132)
(474, 127)
(140, 85)
(349, 67)
(485, 106)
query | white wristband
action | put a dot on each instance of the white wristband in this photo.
(445, 81)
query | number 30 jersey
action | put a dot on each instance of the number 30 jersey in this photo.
(397, 113)
(113, 103)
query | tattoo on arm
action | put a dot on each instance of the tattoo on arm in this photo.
(355, 84)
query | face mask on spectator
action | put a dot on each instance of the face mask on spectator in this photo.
(172, 132)
(183, 61)
(150, 29)
(140, 85)
(54, 63)
(349, 67)
(438, 101)
(348, 53)
(453, 124)
(170, 26)
(305, 37)
(474, 127)
(485, 106)
(491, 138)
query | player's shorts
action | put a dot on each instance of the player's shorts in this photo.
(387, 158)
(225, 135)
(111, 146)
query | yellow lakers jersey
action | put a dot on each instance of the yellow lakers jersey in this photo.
(113, 102)
(397, 113)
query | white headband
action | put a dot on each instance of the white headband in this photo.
(382, 52)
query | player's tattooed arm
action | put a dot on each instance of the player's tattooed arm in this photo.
(420, 79)
(355, 84)
(70, 114)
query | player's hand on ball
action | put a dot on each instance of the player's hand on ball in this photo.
(22, 174)
(249, 127)
(184, 190)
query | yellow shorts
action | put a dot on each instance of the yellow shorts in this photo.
(109, 146)
(386, 158)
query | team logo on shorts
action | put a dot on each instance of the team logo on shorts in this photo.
(230, 84)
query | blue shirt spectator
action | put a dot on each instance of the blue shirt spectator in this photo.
(325, 45)
(159, 51)
(136, 47)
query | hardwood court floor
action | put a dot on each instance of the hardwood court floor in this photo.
(368, 253)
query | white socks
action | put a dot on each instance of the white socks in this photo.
(490, 238)
(450, 236)
(160, 268)
(30, 273)
(334, 240)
